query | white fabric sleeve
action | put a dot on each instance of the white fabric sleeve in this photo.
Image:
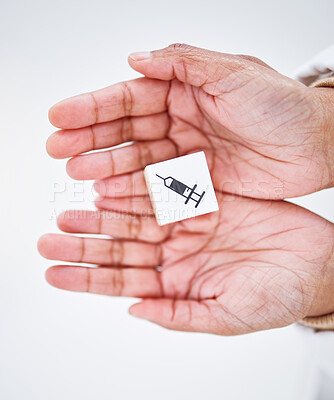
(319, 67)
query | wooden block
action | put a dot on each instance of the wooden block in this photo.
(180, 188)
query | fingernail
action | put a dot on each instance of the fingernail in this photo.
(140, 56)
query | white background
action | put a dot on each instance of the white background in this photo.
(59, 345)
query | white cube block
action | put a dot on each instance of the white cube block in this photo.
(180, 188)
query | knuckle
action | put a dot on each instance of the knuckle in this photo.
(117, 282)
(247, 57)
(82, 250)
(118, 252)
(128, 99)
(179, 47)
(251, 59)
(180, 313)
(92, 137)
(158, 254)
(112, 163)
(126, 129)
(88, 280)
(135, 227)
(131, 182)
(144, 155)
(111, 252)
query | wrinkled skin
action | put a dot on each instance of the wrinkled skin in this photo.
(264, 134)
(253, 265)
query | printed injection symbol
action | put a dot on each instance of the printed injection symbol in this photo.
(182, 189)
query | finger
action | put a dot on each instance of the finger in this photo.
(182, 315)
(137, 97)
(99, 251)
(139, 205)
(132, 184)
(120, 226)
(130, 282)
(195, 66)
(120, 161)
(68, 143)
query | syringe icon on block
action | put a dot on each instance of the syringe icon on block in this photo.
(182, 189)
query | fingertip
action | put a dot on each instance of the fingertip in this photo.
(48, 275)
(89, 166)
(139, 56)
(74, 112)
(99, 201)
(74, 168)
(51, 146)
(48, 146)
(150, 309)
(53, 276)
(96, 186)
(100, 187)
(141, 62)
(48, 244)
(137, 310)
(58, 114)
(66, 277)
(42, 244)
(60, 277)
(103, 202)
(69, 166)
(64, 221)
(55, 246)
(52, 114)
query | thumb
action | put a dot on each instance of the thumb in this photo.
(185, 315)
(195, 66)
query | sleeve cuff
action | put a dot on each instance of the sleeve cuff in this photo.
(323, 323)
(326, 82)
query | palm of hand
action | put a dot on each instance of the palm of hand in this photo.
(258, 128)
(257, 131)
(250, 266)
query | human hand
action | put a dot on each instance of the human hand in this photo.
(253, 265)
(264, 135)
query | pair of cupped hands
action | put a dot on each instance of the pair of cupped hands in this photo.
(257, 263)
